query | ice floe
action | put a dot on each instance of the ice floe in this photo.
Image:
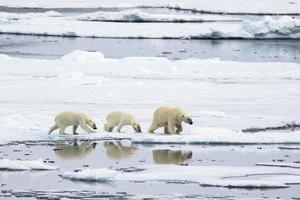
(212, 6)
(270, 27)
(20, 165)
(91, 175)
(219, 176)
(209, 135)
(28, 16)
(223, 97)
(136, 15)
(84, 26)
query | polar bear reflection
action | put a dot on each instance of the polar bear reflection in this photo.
(75, 150)
(117, 151)
(167, 156)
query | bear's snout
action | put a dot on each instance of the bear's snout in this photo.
(190, 121)
(189, 155)
(138, 129)
(94, 126)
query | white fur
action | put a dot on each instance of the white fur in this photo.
(75, 119)
(170, 118)
(119, 119)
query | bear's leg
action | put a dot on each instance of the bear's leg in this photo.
(119, 126)
(62, 130)
(166, 129)
(108, 127)
(75, 129)
(179, 128)
(152, 128)
(171, 127)
(54, 127)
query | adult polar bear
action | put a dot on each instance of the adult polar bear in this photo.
(169, 118)
(75, 119)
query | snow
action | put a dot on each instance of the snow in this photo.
(20, 165)
(91, 175)
(211, 113)
(219, 176)
(83, 56)
(27, 16)
(285, 25)
(51, 24)
(214, 6)
(223, 97)
(211, 135)
(136, 15)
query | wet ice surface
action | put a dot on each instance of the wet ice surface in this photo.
(127, 157)
(239, 50)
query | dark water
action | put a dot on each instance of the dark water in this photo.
(122, 154)
(237, 50)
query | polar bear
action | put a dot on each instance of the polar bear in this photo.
(75, 119)
(121, 119)
(169, 118)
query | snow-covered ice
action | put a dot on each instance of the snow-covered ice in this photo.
(208, 135)
(212, 6)
(53, 23)
(285, 25)
(20, 165)
(27, 16)
(91, 175)
(88, 17)
(136, 15)
(220, 176)
(223, 97)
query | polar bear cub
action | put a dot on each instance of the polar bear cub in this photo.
(170, 118)
(119, 119)
(75, 119)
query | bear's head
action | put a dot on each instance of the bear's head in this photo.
(91, 123)
(136, 126)
(186, 118)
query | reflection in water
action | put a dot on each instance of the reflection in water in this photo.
(117, 151)
(167, 156)
(75, 150)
